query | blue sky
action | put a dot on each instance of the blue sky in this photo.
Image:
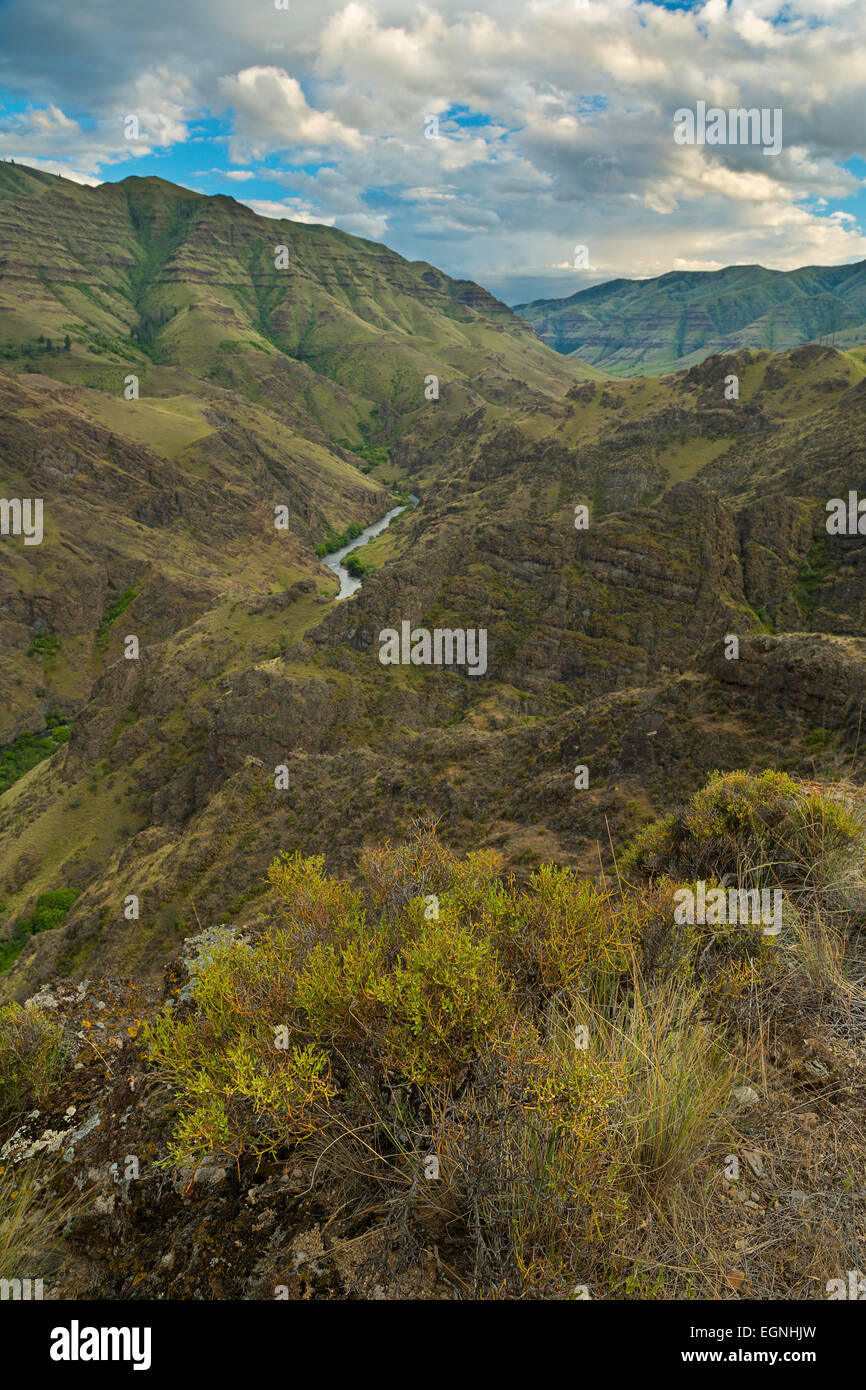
(556, 123)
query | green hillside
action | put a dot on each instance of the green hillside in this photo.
(675, 320)
(143, 275)
(253, 386)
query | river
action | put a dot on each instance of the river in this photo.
(348, 582)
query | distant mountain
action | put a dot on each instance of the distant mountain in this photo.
(654, 326)
(145, 275)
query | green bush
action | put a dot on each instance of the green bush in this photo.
(119, 606)
(28, 750)
(356, 567)
(443, 999)
(51, 908)
(762, 828)
(44, 645)
(558, 1047)
(50, 911)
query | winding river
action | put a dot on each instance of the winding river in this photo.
(334, 561)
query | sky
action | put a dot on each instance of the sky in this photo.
(556, 123)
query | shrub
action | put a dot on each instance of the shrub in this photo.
(338, 992)
(29, 749)
(532, 1162)
(240, 1090)
(44, 645)
(319, 907)
(52, 907)
(765, 829)
(114, 611)
(665, 949)
(445, 997)
(356, 567)
(565, 930)
(50, 911)
(421, 866)
(431, 1013)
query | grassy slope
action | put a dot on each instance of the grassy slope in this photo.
(247, 378)
(675, 320)
(143, 271)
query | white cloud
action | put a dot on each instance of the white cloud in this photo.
(276, 210)
(272, 113)
(556, 121)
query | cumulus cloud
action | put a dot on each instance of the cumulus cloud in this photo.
(293, 211)
(151, 117)
(272, 113)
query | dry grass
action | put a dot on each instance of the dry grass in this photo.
(676, 1078)
(32, 1220)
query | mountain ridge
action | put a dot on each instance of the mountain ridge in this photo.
(671, 321)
